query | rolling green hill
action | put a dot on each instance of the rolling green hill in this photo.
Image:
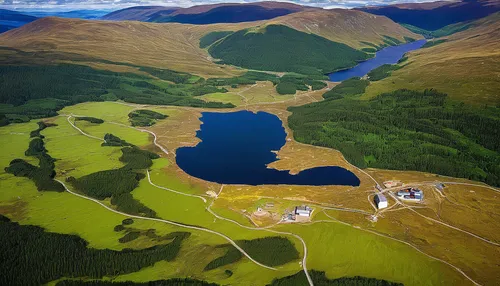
(280, 48)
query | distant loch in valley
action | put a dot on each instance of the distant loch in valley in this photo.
(389, 55)
(237, 146)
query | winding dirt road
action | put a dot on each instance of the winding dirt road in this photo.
(174, 191)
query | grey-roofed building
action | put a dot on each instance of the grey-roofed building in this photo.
(381, 201)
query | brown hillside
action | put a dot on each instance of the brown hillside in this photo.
(173, 46)
(176, 46)
(345, 26)
(467, 66)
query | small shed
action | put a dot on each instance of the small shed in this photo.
(440, 186)
(381, 201)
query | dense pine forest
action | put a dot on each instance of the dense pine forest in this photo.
(143, 117)
(350, 87)
(115, 141)
(280, 48)
(31, 256)
(212, 37)
(118, 184)
(383, 71)
(232, 255)
(406, 130)
(271, 251)
(43, 174)
(169, 282)
(319, 278)
(36, 91)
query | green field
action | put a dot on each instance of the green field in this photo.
(344, 251)
(228, 97)
(78, 155)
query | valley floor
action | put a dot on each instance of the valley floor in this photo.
(346, 236)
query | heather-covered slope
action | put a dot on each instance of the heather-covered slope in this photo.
(350, 27)
(465, 65)
(171, 46)
(177, 46)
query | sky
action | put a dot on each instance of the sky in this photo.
(66, 5)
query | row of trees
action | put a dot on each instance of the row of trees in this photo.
(169, 282)
(43, 174)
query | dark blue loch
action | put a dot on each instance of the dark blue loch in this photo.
(237, 146)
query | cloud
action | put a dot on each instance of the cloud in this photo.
(118, 4)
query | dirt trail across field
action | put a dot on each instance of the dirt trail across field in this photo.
(171, 223)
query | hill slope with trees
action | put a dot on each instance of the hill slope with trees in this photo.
(465, 65)
(279, 48)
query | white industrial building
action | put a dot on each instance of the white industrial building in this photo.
(381, 201)
(303, 211)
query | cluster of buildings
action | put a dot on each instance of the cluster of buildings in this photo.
(407, 194)
(410, 194)
(299, 213)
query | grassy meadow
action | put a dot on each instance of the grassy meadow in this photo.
(341, 250)
(337, 249)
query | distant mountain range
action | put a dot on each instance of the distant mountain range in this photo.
(79, 14)
(208, 14)
(435, 15)
(139, 13)
(13, 19)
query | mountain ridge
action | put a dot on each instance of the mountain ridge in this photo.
(177, 43)
(435, 15)
(455, 66)
(208, 14)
